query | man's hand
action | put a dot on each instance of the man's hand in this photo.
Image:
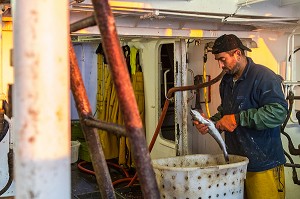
(202, 128)
(227, 123)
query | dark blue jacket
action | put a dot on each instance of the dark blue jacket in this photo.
(257, 98)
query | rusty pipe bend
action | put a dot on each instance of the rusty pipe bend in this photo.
(167, 102)
(195, 87)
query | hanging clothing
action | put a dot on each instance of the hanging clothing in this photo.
(125, 153)
(107, 104)
(100, 51)
(108, 108)
(133, 56)
(126, 52)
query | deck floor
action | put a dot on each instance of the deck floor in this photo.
(84, 185)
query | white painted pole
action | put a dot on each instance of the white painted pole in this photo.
(41, 99)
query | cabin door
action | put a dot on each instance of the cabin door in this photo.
(172, 62)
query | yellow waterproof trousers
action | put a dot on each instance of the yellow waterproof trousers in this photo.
(269, 184)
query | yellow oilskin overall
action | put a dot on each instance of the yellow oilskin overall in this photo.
(269, 184)
(108, 108)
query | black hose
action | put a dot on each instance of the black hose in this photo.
(298, 116)
(291, 102)
(10, 157)
(292, 149)
(293, 53)
(295, 177)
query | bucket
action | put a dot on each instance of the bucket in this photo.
(74, 151)
(201, 176)
(84, 152)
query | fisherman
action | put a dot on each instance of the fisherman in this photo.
(252, 109)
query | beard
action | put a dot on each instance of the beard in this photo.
(234, 70)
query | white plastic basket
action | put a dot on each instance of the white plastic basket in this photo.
(74, 151)
(201, 176)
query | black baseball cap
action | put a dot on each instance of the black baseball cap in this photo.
(226, 43)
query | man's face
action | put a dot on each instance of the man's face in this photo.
(228, 61)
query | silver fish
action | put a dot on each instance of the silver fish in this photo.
(212, 131)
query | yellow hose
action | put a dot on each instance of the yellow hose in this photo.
(205, 89)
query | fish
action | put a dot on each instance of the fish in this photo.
(212, 130)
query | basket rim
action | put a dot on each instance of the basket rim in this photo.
(244, 162)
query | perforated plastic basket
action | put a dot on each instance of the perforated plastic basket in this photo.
(201, 176)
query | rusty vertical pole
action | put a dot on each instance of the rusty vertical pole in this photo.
(129, 108)
(91, 136)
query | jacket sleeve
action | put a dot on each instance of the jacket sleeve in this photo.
(218, 115)
(268, 116)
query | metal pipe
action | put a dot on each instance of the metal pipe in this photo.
(291, 146)
(83, 23)
(116, 129)
(292, 165)
(294, 172)
(126, 98)
(294, 98)
(41, 100)
(91, 136)
(10, 160)
(169, 95)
